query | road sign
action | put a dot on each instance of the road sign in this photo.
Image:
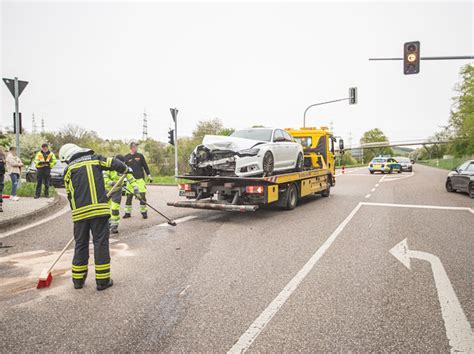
(11, 86)
(174, 113)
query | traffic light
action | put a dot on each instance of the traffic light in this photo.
(411, 58)
(14, 123)
(171, 136)
(352, 95)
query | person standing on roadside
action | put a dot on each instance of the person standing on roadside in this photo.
(14, 166)
(2, 176)
(44, 162)
(138, 164)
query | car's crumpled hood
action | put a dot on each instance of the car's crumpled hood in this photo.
(219, 142)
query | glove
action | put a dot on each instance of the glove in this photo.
(150, 179)
(130, 170)
(135, 190)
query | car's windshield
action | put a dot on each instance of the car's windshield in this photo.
(402, 159)
(254, 134)
(378, 160)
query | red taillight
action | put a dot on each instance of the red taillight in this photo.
(184, 187)
(254, 189)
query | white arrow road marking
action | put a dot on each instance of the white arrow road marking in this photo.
(458, 329)
(246, 339)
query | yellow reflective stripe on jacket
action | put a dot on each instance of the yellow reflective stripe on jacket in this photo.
(89, 207)
(107, 163)
(90, 177)
(91, 215)
(71, 190)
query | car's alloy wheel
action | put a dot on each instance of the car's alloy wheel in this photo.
(470, 190)
(268, 164)
(299, 163)
(449, 186)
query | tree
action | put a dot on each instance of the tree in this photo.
(462, 114)
(210, 127)
(373, 136)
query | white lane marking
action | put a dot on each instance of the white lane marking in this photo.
(37, 223)
(416, 206)
(367, 196)
(377, 185)
(372, 190)
(397, 178)
(381, 179)
(458, 329)
(180, 220)
(184, 290)
(246, 340)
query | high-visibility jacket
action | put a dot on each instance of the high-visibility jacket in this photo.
(85, 188)
(111, 177)
(41, 161)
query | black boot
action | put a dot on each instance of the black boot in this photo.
(126, 215)
(103, 286)
(145, 215)
(79, 283)
(1, 208)
(114, 229)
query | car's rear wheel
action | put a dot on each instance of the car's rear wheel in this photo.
(268, 164)
(292, 197)
(470, 190)
(399, 171)
(299, 163)
(449, 186)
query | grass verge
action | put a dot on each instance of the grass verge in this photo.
(27, 189)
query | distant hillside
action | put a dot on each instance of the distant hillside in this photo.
(403, 151)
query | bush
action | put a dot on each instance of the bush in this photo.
(26, 189)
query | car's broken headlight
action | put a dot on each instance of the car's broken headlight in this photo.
(249, 152)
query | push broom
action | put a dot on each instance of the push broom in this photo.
(46, 277)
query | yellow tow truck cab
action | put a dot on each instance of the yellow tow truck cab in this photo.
(281, 190)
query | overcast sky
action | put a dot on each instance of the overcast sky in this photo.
(99, 65)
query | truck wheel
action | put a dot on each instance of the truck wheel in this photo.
(268, 164)
(299, 163)
(371, 172)
(325, 193)
(291, 197)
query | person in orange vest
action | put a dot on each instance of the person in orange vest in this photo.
(44, 162)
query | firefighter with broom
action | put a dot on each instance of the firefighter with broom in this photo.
(111, 178)
(85, 188)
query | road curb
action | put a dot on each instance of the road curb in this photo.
(33, 214)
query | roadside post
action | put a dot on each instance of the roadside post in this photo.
(16, 87)
(174, 115)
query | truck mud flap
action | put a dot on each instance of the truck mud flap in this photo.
(213, 206)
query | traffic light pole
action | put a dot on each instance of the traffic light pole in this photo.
(320, 104)
(17, 118)
(176, 146)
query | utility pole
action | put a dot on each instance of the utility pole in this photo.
(174, 114)
(42, 125)
(33, 124)
(145, 126)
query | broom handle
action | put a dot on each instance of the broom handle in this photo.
(116, 185)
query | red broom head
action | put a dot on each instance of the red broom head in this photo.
(45, 282)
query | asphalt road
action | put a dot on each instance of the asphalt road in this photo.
(318, 278)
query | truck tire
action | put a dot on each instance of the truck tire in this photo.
(291, 197)
(325, 193)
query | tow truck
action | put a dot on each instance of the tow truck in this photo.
(283, 190)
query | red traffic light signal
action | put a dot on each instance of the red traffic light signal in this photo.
(411, 58)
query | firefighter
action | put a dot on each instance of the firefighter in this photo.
(110, 178)
(137, 162)
(85, 189)
(44, 162)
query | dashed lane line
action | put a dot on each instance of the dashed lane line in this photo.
(367, 196)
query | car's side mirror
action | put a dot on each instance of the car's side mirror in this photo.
(341, 144)
(455, 169)
(279, 139)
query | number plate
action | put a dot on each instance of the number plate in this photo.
(187, 193)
